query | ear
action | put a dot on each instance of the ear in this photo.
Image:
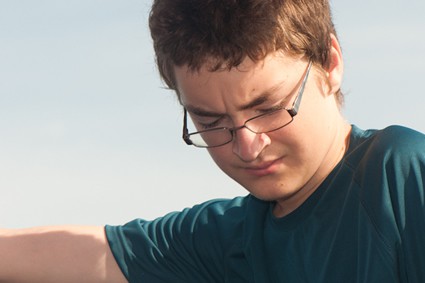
(335, 70)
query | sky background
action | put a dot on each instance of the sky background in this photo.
(89, 135)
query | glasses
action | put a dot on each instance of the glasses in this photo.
(264, 123)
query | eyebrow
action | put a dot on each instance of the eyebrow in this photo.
(260, 99)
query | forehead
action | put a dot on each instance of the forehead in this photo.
(204, 88)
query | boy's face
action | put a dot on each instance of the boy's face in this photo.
(285, 165)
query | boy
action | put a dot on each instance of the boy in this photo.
(328, 201)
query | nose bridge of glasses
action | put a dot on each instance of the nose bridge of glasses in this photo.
(247, 125)
(239, 136)
(265, 122)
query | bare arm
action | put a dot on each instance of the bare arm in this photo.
(57, 254)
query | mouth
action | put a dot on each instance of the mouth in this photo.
(264, 169)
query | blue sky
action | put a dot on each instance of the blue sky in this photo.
(88, 134)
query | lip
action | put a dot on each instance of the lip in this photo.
(264, 169)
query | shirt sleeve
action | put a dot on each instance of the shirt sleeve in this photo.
(184, 246)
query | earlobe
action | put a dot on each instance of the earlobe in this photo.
(335, 70)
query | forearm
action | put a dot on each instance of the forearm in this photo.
(57, 254)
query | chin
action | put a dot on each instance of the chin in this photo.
(266, 193)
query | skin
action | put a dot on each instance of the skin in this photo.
(57, 254)
(287, 165)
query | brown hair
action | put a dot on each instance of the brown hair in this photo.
(225, 32)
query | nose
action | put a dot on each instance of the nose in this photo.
(248, 145)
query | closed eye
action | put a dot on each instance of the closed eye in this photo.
(271, 109)
(211, 125)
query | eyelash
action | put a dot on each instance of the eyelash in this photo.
(271, 109)
(210, 125)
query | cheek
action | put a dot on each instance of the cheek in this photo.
(296, 141)
(287, 138)
(308, 139)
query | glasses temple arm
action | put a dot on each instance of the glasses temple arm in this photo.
(185, 130)
(294, 110)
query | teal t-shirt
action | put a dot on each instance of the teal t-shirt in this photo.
(365, 223)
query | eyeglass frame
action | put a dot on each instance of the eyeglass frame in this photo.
(293, 111)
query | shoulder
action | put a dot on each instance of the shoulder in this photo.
(213, 213)
(180, 244)
(385, 145)
(400, 150)
(388, 165)
(217, 212)
(400, 139)
(389, 168)
(207, 217)
(393, 151)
